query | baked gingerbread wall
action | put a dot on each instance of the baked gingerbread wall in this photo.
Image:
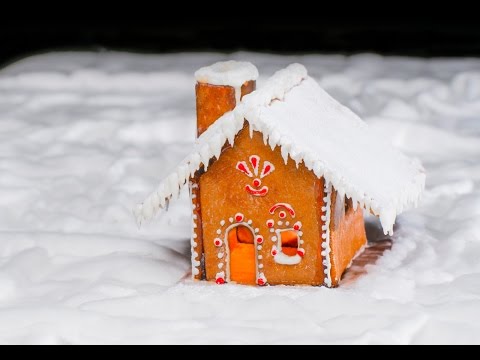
(232, 193)
(347, 235)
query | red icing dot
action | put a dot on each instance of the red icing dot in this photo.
(220, 281)
(282, 214)
(260, 240)
(257, 182)
(297, 226)
(261, 282)
(270, 223)
(274, 252)
(301, 253)
(217, 242)
(267, 169)
(238, 217)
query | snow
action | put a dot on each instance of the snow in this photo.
(83, 136)
(230, 73)
(293, 112)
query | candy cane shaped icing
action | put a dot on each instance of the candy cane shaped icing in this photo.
(255, 161)
(243, 167)
(268, 168)
(288, 207)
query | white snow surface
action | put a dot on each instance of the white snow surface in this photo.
(83, 136)
(293, 112)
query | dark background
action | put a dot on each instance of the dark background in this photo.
(424, 36)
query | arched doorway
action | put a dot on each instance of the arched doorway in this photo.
(240, 239)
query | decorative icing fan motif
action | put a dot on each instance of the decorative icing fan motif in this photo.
(252, 171)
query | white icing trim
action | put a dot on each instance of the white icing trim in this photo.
(283, 259)
(327, 265)
(227, 73)
(196, 263)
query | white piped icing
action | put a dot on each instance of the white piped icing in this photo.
(195, 257)
(293, 112)
(227, 73)
(326, 236)
(283, 259)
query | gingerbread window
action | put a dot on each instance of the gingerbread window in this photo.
(288, 246)
(288, 242)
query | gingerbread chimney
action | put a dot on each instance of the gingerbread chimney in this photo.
(220, 87)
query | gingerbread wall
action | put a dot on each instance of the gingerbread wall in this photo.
(230, 195)
(347, 235)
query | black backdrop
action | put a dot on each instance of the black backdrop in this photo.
(422, 36)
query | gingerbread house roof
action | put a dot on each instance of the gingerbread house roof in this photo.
(293, 112)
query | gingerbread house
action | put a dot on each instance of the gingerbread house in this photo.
(280, 178)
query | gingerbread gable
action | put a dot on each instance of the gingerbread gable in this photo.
(293, 112)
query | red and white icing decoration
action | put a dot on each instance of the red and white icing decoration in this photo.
(261, 279)
(220, 278)
(268, 168)
(217, 242)
(297, 226)
(239, 217)
(255, 189)
(255, 161)
(286, 206)
(243, 167)
(276, 252)
(260, 193)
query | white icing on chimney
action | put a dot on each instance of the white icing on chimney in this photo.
(228, 73)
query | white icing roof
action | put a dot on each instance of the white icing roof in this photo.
(292, 111)
(228, 73)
